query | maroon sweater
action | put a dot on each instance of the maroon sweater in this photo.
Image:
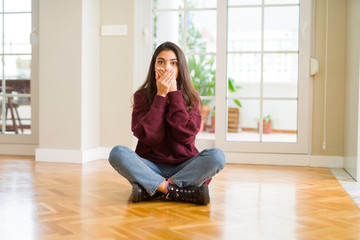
(166, 132)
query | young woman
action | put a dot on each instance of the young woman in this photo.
(166, 119)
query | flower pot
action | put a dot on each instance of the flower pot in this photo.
(233, 119)
(204, 112)
(212, 130)
(267, 127)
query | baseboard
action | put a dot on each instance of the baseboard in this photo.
(327, 161)
(70, 156)
(84, 156)
(18, 149)
(285, 159)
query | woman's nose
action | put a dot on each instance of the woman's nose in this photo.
(168, 66)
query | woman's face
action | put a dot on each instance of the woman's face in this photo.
(167, 60)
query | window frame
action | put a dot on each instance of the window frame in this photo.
(33, 137)
(303, 146)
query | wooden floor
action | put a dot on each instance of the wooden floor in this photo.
(90, 201)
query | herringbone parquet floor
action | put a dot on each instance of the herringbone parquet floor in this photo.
(90, 201)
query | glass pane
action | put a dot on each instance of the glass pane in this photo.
(207, 111)
(168, 26)
(166, 4)
(244, 75)
(17, 5)
(244, 2)
(280, 75)
(281, 1)
(201, 3)
(280, 35)
(201, 31)
(18, 67)
(17, 33)
(244, 29)
(242, 123)
(18, 117)
(202, 72)
(280, 121)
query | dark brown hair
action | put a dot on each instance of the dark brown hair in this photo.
(183, 80)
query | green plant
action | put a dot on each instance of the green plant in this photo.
(232, 88)
(202, 74)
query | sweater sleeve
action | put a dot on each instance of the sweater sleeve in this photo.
(148, 125)
(183, 125)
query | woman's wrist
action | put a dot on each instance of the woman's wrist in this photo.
(162, 94)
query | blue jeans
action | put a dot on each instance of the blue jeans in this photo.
(193, 172)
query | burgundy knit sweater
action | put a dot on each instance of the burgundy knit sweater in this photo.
(166, 132)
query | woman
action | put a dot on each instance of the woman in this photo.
(166, 119)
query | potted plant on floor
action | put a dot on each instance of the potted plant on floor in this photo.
(202, 72)
(267, 124)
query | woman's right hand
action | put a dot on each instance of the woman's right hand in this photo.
(164, 79)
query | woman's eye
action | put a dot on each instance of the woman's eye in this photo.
(160, 62)
(174, 63)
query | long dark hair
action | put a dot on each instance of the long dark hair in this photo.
(183, 80)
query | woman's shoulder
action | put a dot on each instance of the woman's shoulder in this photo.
(139, 95)
(140, 98)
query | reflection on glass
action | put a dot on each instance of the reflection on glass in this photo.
(242, 123)
(164, 29)
(280, 75)
(243, 2)
(280, 35)
(201, 3)
(17, 67)
(17, 115)
(17, 6)
(17, 30)
(202, 71)
(245, 70)
(166, 4)
(280, 121)
(244, 29)
(201, 31)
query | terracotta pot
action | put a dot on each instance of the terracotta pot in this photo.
(212, 130)
(267, 128)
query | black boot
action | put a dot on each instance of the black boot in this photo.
(198, 195)
(139, 194)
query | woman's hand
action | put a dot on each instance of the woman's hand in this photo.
(165, 81)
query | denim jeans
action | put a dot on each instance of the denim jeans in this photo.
(193, 172)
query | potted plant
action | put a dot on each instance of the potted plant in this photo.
(203, 79)
(267, 124)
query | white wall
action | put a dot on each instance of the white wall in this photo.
(69, 81)
(90, 120)
(116, 74)
(351, 131)
(60, 39)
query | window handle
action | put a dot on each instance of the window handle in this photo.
(34, 37)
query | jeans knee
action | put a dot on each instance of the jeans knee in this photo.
(116, 154)
(217, 158)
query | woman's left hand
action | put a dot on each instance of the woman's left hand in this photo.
(173, 86)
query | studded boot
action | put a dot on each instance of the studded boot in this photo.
(139, 194)
(198, 195)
